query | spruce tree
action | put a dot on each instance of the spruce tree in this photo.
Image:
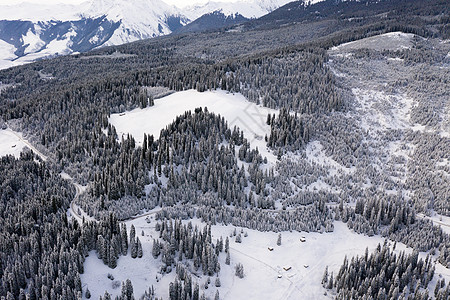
(139, 248)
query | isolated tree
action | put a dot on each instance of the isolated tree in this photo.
(325, 277)
(139, 248)
(134, 248)
(217, 282)
(238, 238)
(156, 248)
(239, 270)
(227, 245)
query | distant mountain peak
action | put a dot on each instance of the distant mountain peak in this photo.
(246, 8)
(32, 31)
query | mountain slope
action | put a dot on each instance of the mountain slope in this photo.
(138, 19)
(25, 41)
(30, 31)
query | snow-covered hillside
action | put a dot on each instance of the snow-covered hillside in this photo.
(265, 276)
(236, 110)
(138, 19)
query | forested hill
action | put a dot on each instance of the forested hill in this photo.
(360, 136)
(400, 12)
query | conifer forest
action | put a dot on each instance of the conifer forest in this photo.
(301, 155)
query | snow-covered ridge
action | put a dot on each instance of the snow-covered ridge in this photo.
(246, 8)
(41, 12)
(116, 10)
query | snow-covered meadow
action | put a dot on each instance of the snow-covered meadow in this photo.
(388, 41)
(236, 110)
(265, 274)
(10, 143)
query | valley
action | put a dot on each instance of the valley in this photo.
(303, 154)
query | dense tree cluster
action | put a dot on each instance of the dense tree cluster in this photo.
(183, 287)
(382, 275)
(393, 218)
(288, 131)
(196, 153)
(294, 79)
(314, 218)
(187, 242)
(38, 252)
(109, 238)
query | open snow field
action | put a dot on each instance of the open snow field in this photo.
(10, 143)
(387, 41)
(264, 278)
(236, 110)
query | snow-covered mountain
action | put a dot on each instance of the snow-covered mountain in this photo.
(31, 31)
(139, 19)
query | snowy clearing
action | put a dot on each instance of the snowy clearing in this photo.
(236, 110)
(11, 143)
(265, 276)
(387, 41)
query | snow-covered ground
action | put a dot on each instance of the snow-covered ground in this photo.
(11, 143)
(381, 111)
(388, 41)
(315, 153)
(236, 110)
(265, 277)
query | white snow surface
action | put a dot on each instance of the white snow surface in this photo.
(139, 19)
(10, 143)
(33, 40)
(236, 110)
(6, 55)
(246, 8)
(387, 41)
(262, 267)
(41, 12)
(7, 50)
